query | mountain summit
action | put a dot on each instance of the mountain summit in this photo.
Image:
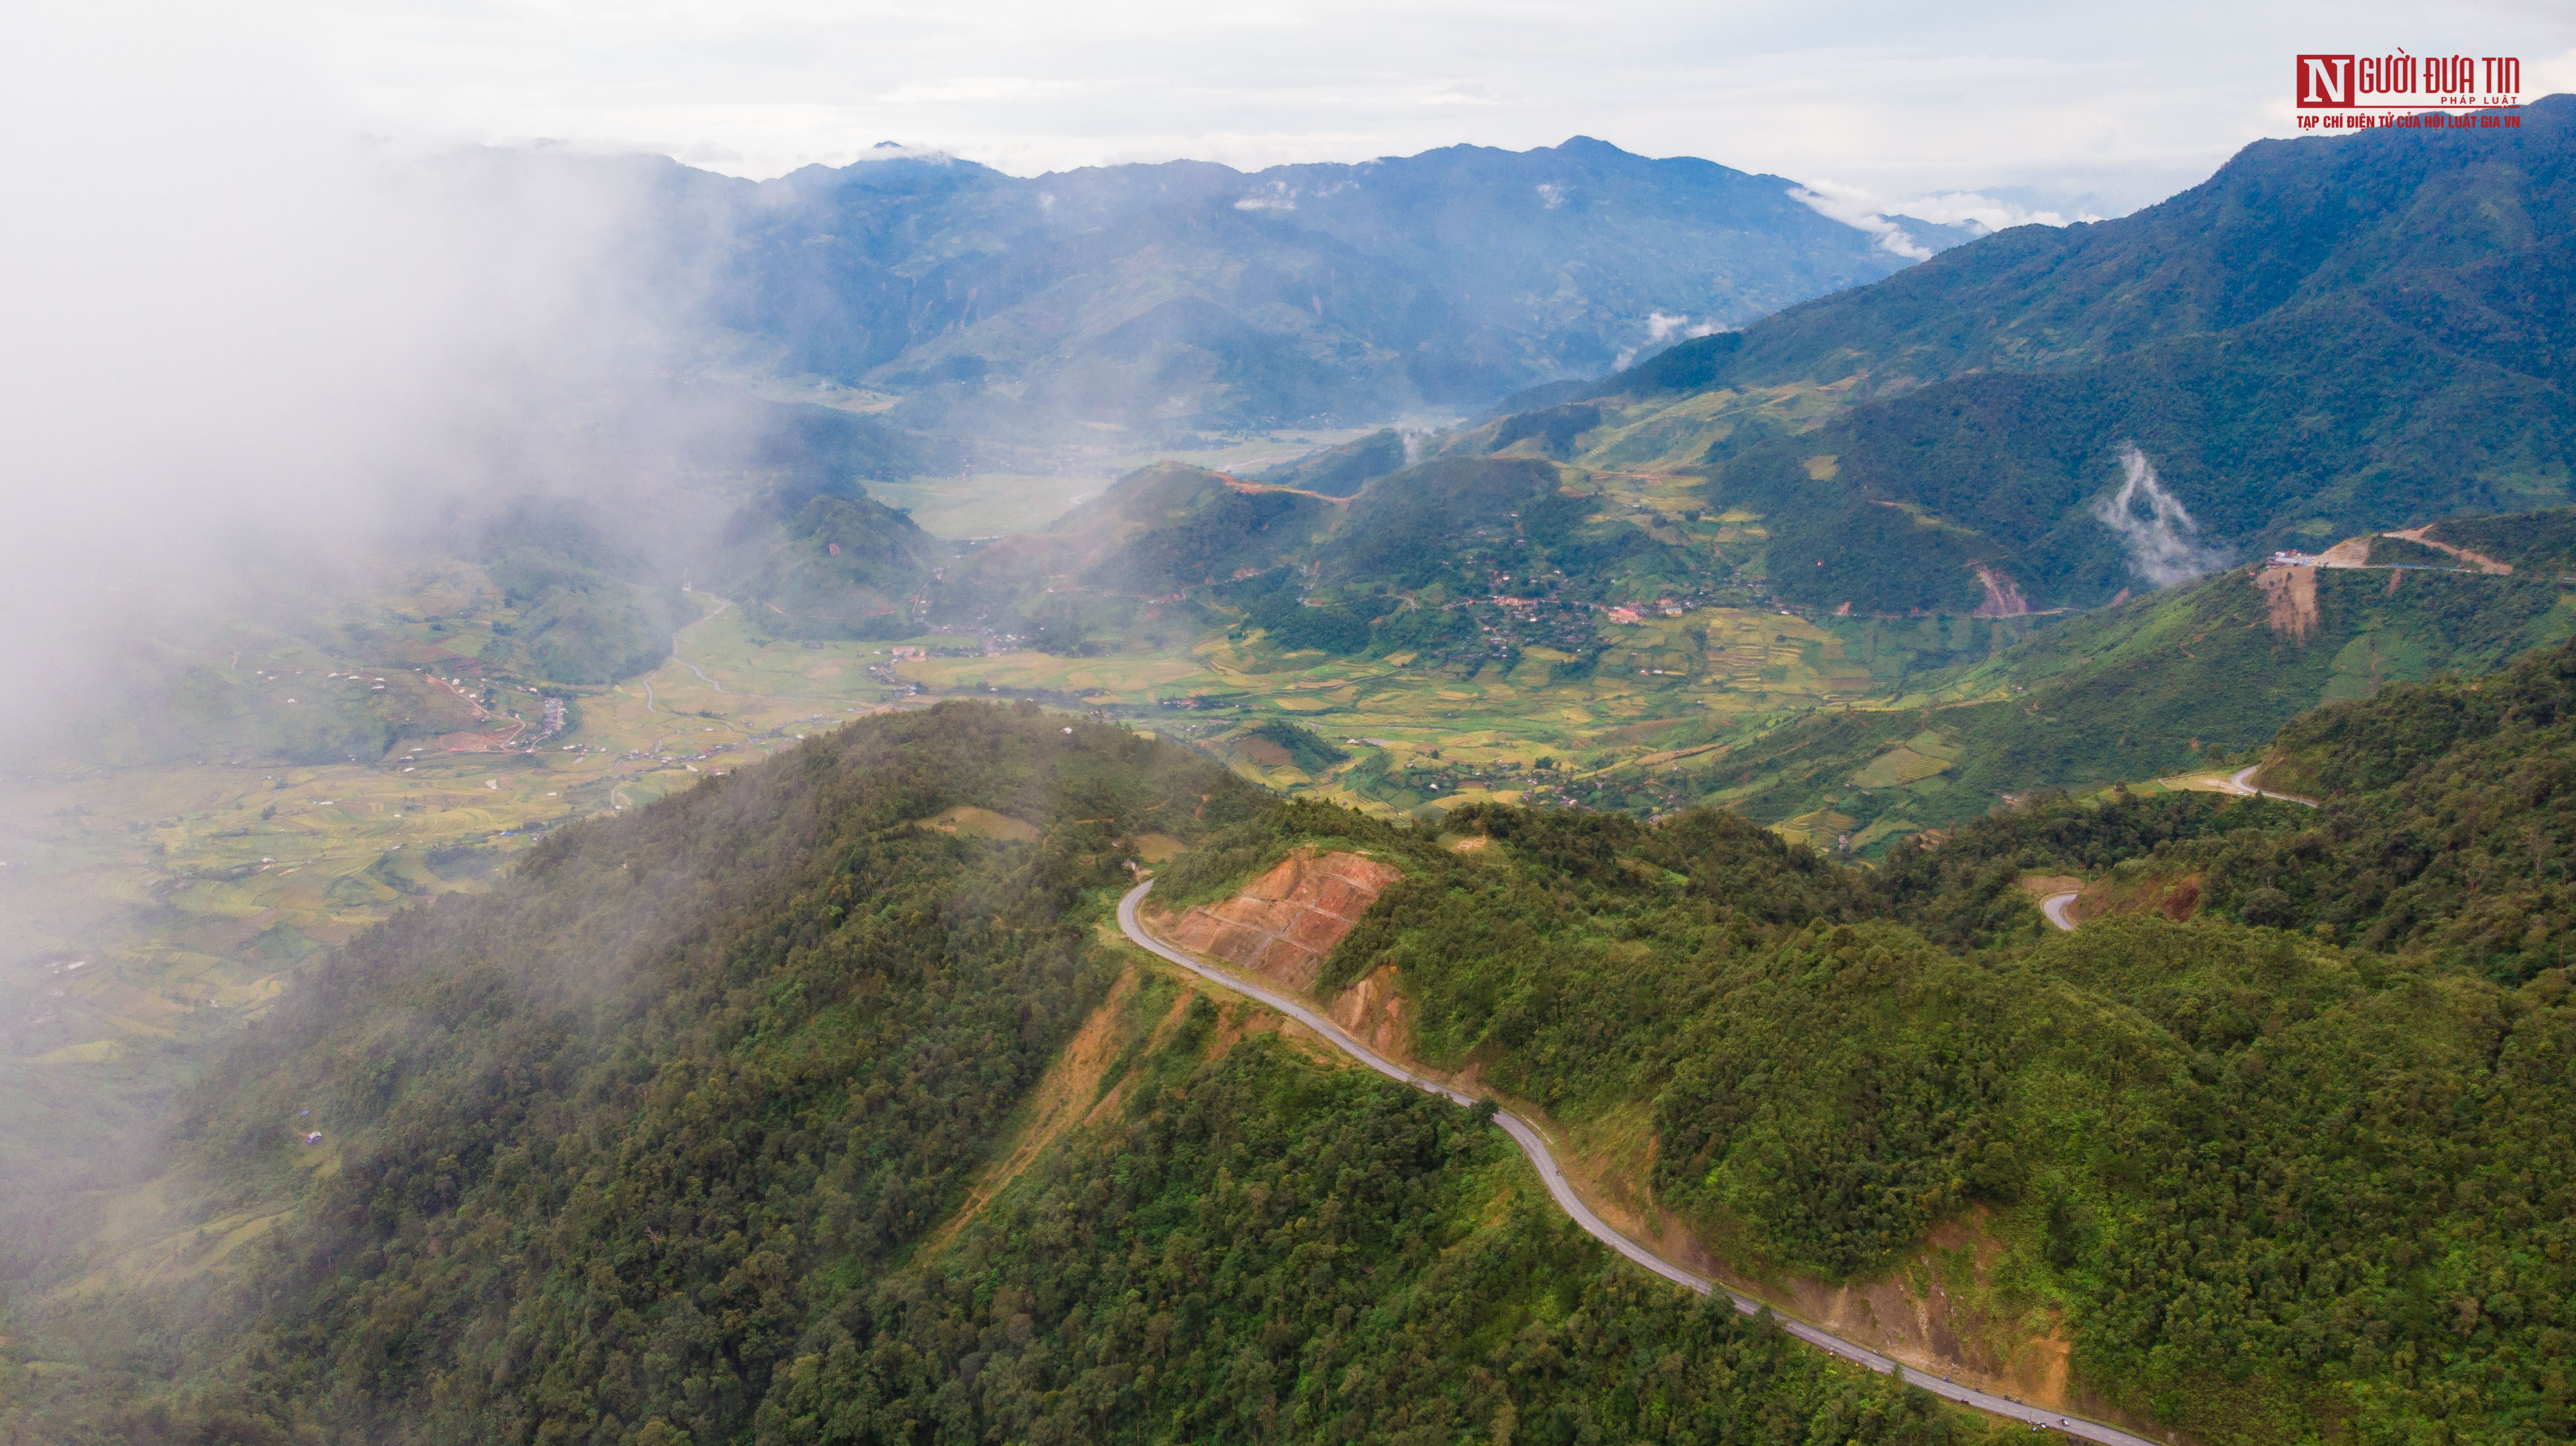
(1188, 294)
(2327, 337)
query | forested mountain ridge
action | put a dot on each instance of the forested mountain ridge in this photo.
(2283, 225)
(2325, 338)
(2441, 830)
(2198, 1153)
(2158, 685)
(1188, 294)
(651, 1142)
(648, 1141)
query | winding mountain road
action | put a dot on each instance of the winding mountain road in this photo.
(2241, 783)
(2055, 907)
(1540, 1156)
(721, 605)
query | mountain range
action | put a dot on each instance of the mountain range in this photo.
(1903, 947)
(2324, 338)
(1187, 295)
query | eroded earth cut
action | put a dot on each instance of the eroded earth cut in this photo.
(1283, 923)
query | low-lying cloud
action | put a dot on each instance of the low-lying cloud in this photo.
(1884, 217)
(1852, 210)
(1662, 328)
(2154, 525)
(242, 336)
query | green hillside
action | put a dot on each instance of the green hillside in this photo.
(2327, 337)
(1410, 564)
(1166, 528)
(2190, 1143)
(1272, 1251)
(1343, 470)
(1463, 521)
(2439, 835)
(840, 567)
(2280, 226)
(2542, 542)
(1133, 566)
(2157, 685)
(577, 624)
(810, 1102)
(694, 1129)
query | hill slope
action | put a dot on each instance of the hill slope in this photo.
(715, 1121)
(700, 1128)
(2157, 685)
(2327, 337)
(1342, 470)
(1409, 562)
(2158, 1147)
(1189, 295)
(2444, 804)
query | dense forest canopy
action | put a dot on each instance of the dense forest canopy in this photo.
(2267, 1180)
(675, 1133)
(670, 1138)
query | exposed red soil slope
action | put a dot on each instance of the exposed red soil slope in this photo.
(1283, 923)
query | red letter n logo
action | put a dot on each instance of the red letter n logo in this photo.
(2325, 80)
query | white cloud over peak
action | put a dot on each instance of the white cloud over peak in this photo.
(1861, 215)
(1860, 207)
(1660, 327)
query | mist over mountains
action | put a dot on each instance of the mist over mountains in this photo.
(1190, 295)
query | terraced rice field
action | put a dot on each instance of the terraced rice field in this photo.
(1422, 736)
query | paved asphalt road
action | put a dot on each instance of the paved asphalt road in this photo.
(1535, 1146)
(2241, 782)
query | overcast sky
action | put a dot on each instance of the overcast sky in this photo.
(2121, 104)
